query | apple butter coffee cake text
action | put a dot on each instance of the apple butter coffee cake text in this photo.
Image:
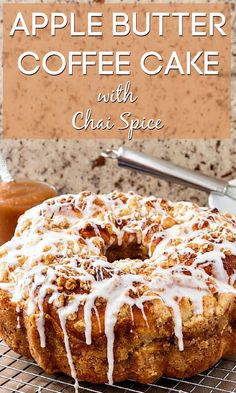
(117, 286)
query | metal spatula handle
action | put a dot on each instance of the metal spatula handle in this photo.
(166, 170)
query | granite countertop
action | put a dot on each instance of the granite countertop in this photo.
(73, 166)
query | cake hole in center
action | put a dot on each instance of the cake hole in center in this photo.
(132, 251)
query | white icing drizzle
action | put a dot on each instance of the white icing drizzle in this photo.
(58, 255)
(63, 316)
(18, 325)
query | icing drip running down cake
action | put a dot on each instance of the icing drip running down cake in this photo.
(117, 286)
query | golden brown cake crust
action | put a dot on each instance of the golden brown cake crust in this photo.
(106, 288)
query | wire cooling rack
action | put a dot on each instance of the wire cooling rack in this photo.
(17, 374)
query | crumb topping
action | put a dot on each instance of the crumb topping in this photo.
(61, 249)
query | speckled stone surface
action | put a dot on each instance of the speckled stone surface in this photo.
(73, 166)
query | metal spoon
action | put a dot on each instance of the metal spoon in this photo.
(4, 172)
(166, 170)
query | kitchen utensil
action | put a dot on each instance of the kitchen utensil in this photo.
(222, 193)
(4, 172)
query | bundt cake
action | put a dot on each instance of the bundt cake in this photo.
(110, 287)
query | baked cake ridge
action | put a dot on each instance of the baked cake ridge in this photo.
(113, 252)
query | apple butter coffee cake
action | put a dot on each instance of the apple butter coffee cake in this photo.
(110, 287)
